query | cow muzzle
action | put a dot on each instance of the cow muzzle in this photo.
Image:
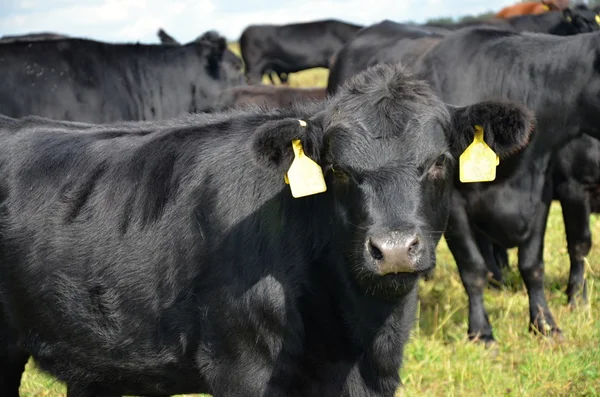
(395, 251)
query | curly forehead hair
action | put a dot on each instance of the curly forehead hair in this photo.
(389, 95)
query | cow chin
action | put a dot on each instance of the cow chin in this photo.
(390, 286)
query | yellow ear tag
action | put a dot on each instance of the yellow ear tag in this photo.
(598, 19)
(305, 177)
(546, 7)
(478, 162)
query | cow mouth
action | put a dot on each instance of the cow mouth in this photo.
(392, 286)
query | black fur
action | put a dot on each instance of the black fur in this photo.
(158, 258)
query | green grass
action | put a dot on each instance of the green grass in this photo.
(439, 361)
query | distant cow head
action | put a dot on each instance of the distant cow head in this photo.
(221, 56)
(580, 19)
(388, 147)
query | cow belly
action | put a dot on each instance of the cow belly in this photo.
(132, 365)
(505, 214)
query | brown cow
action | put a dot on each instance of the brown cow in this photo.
(532, 7)
(267, 95)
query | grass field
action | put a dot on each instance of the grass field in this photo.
(439, 361)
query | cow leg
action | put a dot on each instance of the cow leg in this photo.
(12, 366)
(471, 266)
(500, 256)
(576, 216)
(531, 267)
(12, 359)
(253, 76)
(487, 249)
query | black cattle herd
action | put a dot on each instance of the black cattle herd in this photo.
(168, 226)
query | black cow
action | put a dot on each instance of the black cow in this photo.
(291, 48)
(85, 80)
(483, 63)
(267, 95)
(476, 63)
(168, 257)
(230, 60)
(32, 37)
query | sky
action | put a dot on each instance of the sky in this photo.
(139, 20)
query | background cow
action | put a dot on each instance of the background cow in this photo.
(231, 62)
(291, 48)
(85, 80)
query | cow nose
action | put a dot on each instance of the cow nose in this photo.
(395, 252)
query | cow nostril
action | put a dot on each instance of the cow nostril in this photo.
(414, 245)
(375, 251)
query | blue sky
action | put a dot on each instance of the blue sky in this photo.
(138, 20)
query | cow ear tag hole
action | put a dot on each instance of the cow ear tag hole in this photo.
(305, 176)
(478, 162)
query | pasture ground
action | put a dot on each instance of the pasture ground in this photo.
(440, 361)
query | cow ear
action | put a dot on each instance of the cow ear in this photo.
(507, 126)
(215, 46)
(271, 143)
(165, 38)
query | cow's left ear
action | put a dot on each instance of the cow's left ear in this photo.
(271, 143)
(507, 126)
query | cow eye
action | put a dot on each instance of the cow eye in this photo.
(339, 173)
(441, 160)
(438, 168)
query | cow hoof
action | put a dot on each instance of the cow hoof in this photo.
(578, 298)
(578, 302)
(486, 339)
(546, 330)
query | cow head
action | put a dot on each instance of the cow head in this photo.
(577, 20)
(221, 64)
(388, 147)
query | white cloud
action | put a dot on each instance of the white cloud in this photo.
(138, 20)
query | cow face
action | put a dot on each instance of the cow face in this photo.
(576, 21)
(388, 147)
(230, 64)
(220, 68)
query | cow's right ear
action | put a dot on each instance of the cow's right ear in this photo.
(271, 143)
(507, 126)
